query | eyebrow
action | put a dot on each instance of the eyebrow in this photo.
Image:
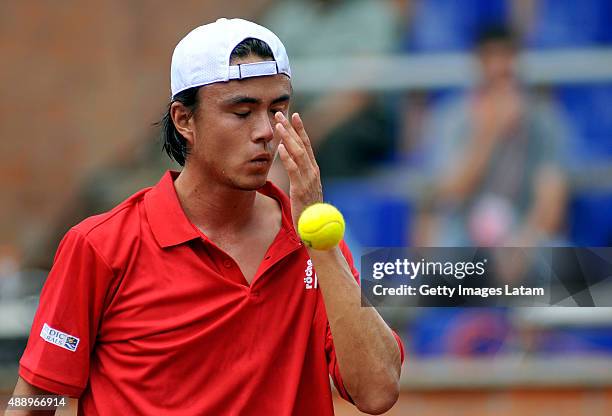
(244, 99)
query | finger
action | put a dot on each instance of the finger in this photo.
(298, 125)
(280, 117)
(290, 166)
(297, 153)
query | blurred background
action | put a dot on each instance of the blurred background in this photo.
(435, 123)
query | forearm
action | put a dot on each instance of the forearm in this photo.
(547, 212)
(367, 352)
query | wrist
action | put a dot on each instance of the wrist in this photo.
(323, 255)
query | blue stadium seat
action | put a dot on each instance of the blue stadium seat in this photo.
(571, 23)
(589, 109)
(579, 341)
(373, 218)
(451, 25)
(590, 222)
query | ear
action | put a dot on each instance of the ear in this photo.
(183, 119)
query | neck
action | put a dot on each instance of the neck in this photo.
(214, 207)
(500, 84)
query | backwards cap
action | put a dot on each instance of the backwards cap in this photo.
(203, 56)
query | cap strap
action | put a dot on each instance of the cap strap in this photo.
(255, 69)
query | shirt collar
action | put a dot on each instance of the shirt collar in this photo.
(166, 217)
(171, 226)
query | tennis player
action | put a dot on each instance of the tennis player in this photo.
(196, 296)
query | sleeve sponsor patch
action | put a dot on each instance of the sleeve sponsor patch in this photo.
(59, 338)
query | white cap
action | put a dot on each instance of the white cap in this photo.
(202, 57)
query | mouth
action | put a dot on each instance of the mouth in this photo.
(262, 159)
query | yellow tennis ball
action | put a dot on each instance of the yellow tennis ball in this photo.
(321, 226)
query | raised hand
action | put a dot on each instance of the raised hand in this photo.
(296, 153)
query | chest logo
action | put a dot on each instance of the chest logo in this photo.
(310, 278)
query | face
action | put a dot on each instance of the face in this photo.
(231, 134)
(497, 62)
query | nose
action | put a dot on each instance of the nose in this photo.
(264, 130)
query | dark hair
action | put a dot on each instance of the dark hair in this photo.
(252, 46)
(173, 142)
(495, 34)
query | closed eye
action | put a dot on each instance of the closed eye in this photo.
(243, 115)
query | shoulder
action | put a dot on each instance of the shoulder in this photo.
(113, 221)
(542, 107)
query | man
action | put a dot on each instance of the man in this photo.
(497, 160)
(190, 297)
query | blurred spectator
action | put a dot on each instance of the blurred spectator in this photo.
(350, 130)
(497, 160)
(442, 26)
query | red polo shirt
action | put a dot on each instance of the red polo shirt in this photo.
(143, 314)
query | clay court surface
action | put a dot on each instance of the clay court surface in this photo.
(499, 403)
(543, 402)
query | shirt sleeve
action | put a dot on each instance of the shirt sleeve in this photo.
(330, 351)
(63, 334)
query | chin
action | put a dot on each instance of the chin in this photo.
(251, 183)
